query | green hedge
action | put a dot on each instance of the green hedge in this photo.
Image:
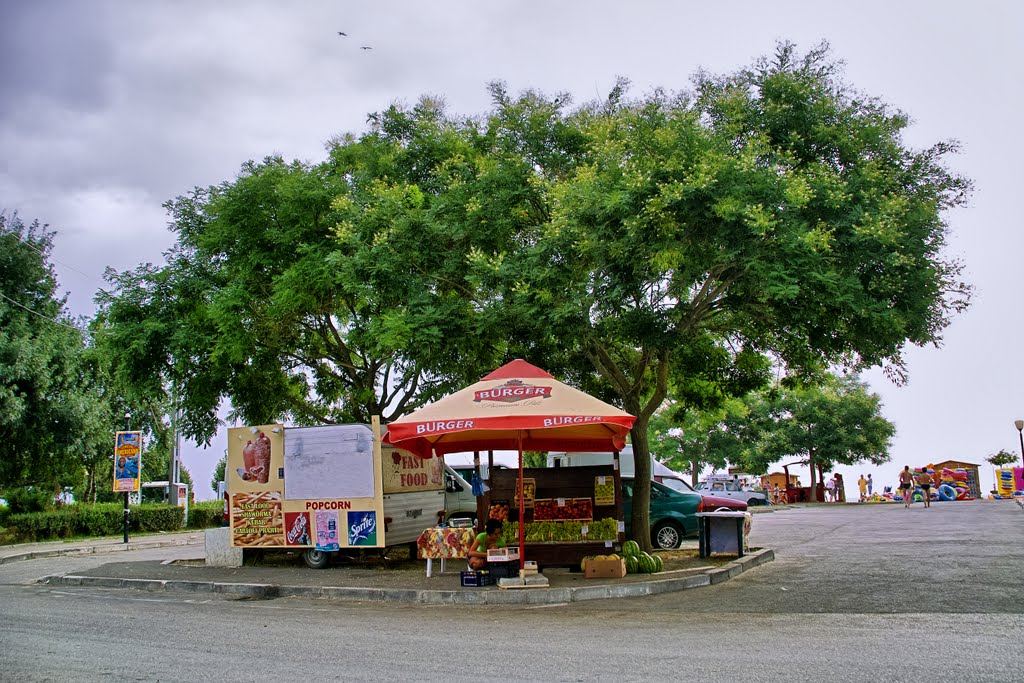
(207, 514)
(107, 519)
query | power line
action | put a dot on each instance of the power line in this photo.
(55, 322)
(50, 256)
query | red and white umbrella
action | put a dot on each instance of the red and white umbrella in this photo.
(517, 407)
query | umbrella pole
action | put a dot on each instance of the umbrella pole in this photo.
(522, 513)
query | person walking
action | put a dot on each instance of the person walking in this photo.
(862, 484)
(830, 489)
(924, 480)
(907, 485)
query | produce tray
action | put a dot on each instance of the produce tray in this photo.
(604, 490)
(575, 509)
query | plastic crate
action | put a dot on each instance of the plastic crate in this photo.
(503, 570)
(472, 579)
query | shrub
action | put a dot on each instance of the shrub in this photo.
(104, 519)
(28, 499)
(206, 514)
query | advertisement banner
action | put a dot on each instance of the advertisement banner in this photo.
(127, 461)
(304, 487)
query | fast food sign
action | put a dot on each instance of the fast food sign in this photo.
(127, 461)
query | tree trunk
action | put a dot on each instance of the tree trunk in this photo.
(90, 484)
(813, 497)
(641, 514)
(694, 465)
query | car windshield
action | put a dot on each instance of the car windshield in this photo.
(657, 490)
(677, 485)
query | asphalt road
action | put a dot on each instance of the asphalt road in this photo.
(856, 593)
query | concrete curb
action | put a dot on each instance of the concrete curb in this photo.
(495, 596)
(101, 549)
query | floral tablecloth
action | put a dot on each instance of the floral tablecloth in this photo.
(440, 543)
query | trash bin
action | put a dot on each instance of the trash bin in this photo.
(723, 532)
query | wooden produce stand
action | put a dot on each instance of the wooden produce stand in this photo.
(561, 494)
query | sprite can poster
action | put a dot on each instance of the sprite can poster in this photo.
(362, 528)
(127, 461)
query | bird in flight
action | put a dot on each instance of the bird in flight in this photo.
(342, 33)
(365, 47)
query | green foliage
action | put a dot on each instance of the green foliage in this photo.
(218, 472)
(535, 459)
(106, 519)
(838, 422)
(1002, 458)
(206, 514)
(23, 499)
(51, 409)
(692, 440)
(775, 210)
(643, 250)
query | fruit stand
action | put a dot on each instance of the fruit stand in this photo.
(569, 512)
(523, 408)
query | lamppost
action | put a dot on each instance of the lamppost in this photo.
(127, 427)
(1019, 424)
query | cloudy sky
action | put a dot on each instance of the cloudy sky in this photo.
(109, 108)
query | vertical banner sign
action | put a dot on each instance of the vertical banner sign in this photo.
(127, 461)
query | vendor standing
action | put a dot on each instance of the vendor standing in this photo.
(484, 541)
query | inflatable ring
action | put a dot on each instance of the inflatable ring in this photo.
(947, 492)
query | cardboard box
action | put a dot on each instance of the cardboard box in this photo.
(605, 569)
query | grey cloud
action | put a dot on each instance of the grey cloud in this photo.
(53, 53)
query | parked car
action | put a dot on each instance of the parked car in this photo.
(673, 513)
(729, 488)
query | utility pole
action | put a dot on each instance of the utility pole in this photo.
(172, 469)
(127, 427)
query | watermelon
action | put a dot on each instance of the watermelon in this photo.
(583, 564)
(631, 549)
(632, 564)
(647, 563)
(659, 564)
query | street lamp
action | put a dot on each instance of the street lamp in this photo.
(1019, 424)
(127, 427)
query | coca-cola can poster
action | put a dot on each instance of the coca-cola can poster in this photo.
(297, 524)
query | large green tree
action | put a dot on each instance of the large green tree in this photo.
(772, 211)
(329, 292)
(50, 408)
(697, 439)
(775, 208)
(836, 422)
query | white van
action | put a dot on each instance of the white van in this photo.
(627, 465)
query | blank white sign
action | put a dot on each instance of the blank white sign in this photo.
(335, 461)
